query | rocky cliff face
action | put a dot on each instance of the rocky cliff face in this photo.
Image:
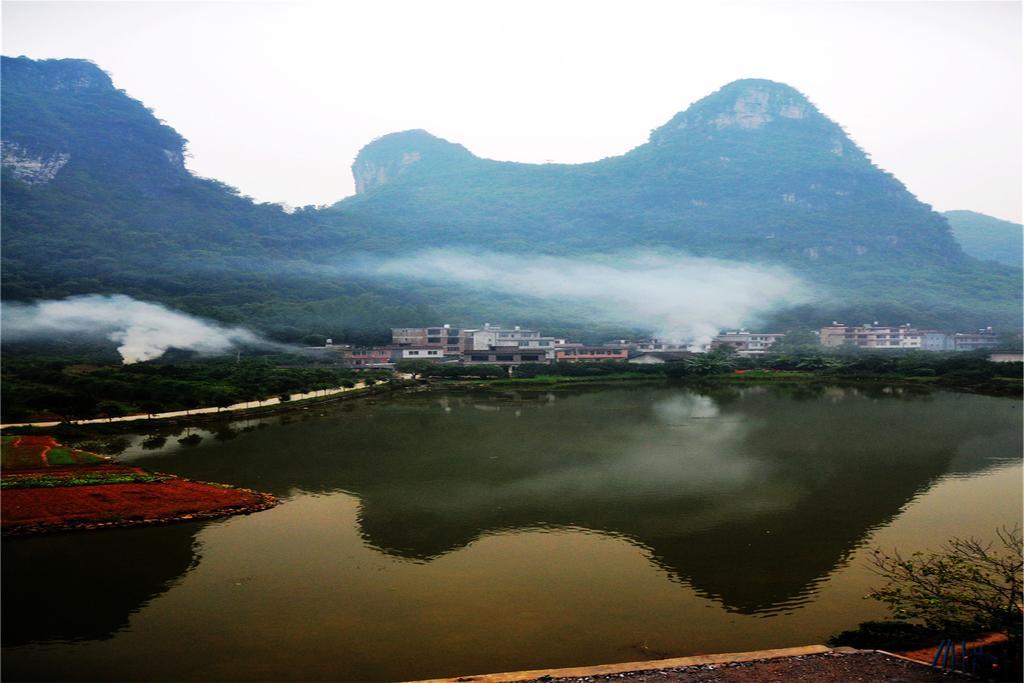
(392, 155)
(752, 105)
(64, 116)
(29, 168)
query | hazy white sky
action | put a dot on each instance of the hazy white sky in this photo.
(276, 98)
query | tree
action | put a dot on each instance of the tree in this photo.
(110, 409)
(967, 586)
(710, 363)
(150, 407)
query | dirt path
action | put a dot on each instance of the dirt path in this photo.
(263, 403)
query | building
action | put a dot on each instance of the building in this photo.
(659, 345)
(746, 343)
(906, 337)
(876, 337)
(982, 340)
(421, 353)
(376, 357)
(444, 337)
(495, 336)
(576, 353)
(507, 355)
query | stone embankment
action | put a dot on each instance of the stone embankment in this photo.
(808, 663)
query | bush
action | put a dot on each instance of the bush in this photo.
(967, 586)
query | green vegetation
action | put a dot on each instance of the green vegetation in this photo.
(36, 386)
(988, 238)
(81, 479)
(971, 371)
(966, 587)
(58, 386)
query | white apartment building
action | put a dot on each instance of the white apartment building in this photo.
(747, 343)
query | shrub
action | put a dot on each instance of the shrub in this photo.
(966, 586)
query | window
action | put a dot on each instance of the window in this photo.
(433, 340)
(525, 358)
(433, 332)
(478, 357)
(505, 358)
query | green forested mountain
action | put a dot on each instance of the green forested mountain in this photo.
(988, 238)
(96, 199)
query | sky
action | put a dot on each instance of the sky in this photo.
(277, 98)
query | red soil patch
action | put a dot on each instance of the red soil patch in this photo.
(28, 451)
(38, 497)
(30, 510)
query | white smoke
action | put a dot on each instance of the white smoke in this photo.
(679, 297)
(142, 330)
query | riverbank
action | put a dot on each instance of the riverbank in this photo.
(268, 405)
(48, 488)
(999, 387)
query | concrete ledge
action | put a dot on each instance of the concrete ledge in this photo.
(629, 667)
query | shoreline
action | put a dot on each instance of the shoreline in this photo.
(808, 662)
(269, 405)
(1014, 389)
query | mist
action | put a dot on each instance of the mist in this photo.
(675, 296)
(143, 331)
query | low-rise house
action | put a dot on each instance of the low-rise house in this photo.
(746, 343)
(975, 341)
(507, 355)
(422, 353)
(376, 357)
(659, 345)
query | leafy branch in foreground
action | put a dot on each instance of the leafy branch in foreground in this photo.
(967, 586)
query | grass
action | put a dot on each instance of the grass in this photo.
(90, 479)
(767, 376)
(546, 380)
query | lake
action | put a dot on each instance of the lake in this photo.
(458, 532)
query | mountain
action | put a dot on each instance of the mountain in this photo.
(988, 238)
(96, 199)
(751, 171)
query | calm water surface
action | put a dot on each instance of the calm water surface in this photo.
(452, 533)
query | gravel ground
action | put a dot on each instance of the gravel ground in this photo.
(829, 667)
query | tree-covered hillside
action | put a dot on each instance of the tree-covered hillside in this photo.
(96, 199)
(988, 238)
